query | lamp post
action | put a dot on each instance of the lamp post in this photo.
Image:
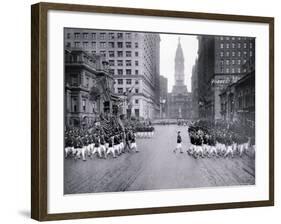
(162, 103)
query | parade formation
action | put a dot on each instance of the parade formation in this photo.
(219, 139)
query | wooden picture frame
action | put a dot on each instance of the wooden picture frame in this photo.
(39, 109)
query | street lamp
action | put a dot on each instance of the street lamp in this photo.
(162, 102)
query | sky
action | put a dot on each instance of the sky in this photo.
(168, 46)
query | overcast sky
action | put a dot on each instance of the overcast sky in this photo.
(168, 46)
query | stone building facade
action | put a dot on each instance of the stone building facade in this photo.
(222, 60)
(134, 60)
(89, 88)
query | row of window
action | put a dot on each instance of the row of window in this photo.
(232, 70)
(233, 62)
(121, 63)
(102, 45)
(233, 53)
(235, 45)
(234, 38)
(102, 36)
(121, 72)
(128, 81)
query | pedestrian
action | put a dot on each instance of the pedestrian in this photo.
(179, 141)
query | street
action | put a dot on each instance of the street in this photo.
(156, 167)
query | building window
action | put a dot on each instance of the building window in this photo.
(239, 62)
(129, 81)
(76, 35)
(245, 53)
(85, 44)
(68, 35)
(233, 53)
(136, 45)
(74, 80)
(239, 53)
(103, 53)
(120, 71)
(136, 72)
(136, 90)
(120, 81)
(111, 62)
(111, 44)
(94, 45)
(233, 62)
(227, 54)
(136, 53)
(239, 45)
(136, 63)
(136, 101)
(111, 54)
(227, 45)
(128, 44)
(232, 70)
(239, 70)
(221, 53)
(84, 105)
(102, 36)
(251, 45)
(120, 62)
(227, 62)
(102, 44)
(251, 53)
(120, 90)
(119, 35)
(85, 35)
(94, 35)
(87, 82)
(120, 44)
(221, 45)
(244, 61)
(128, 35)
(221, 38)
(74, 104)
(120, 53)
(137, 112)
(227, 70)
(128, 71)
(128, 63)
(68, 44)
(111, 71)
(128, 54)
(245, 45)
(111, 36)
(77, 44)
(233, 45)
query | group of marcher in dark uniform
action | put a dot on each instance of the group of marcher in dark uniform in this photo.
(219, 139)
(99, 142)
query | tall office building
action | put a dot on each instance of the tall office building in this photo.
(222, 61)
(134, 60)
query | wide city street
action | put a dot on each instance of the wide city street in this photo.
(156, 167)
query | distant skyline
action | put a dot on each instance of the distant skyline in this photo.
(168, 46)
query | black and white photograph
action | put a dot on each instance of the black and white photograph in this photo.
(151, 111)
